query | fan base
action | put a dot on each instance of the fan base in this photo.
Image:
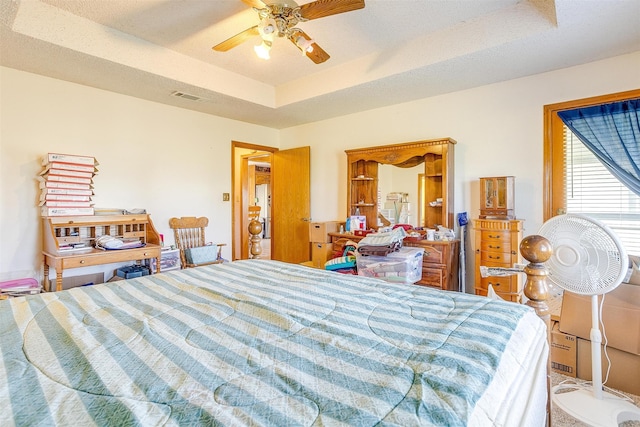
(609, 411)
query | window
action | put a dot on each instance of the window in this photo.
(576, 182)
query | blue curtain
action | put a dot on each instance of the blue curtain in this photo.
(612, 133)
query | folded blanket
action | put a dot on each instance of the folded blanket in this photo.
(383, 239)
(379, 250)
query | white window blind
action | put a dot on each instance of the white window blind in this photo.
(593, 191)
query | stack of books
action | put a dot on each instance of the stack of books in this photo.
(66, 185)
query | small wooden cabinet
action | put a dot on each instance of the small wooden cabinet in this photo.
(497, 197)
(66, 230)
(497, 245)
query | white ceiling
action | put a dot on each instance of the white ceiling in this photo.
(391, 51)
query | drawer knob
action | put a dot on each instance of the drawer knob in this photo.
(145, 254)
(81, 261)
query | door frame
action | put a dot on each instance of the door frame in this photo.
(240, 152)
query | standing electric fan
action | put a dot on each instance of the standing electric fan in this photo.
(588, 259)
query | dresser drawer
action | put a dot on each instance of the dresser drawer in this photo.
(507, 297)
(66, 240)
(496, 259)
(81, 261)
(432, 277)
(496, 246)
(433, 255)
(133, 234)
(503, 284)
(493, 236)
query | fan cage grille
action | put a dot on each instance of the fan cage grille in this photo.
(588, 258)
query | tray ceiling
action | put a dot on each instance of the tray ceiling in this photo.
(391, 51)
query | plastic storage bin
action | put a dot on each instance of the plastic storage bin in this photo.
(169, 260)
(403, 266)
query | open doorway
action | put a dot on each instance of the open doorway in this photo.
(290, 202)
(259, 180)
(251, 174)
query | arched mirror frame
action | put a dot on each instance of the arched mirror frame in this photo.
(438, 158)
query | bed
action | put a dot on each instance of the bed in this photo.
(267, 343)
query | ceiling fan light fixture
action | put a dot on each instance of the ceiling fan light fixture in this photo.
(304, 44)
(268, 29)
(278, 18)
(262, 50)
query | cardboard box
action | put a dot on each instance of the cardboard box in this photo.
(625, 367)
(634, 270)
(563, 352)
(318, 231)
(321, 253)
(82, 280)
(307, 264)
(620, 315)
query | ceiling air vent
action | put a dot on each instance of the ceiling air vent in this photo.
(186, 96)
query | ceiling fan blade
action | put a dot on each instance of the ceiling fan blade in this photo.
(239, 38)
(317, 55)
(322, 8)
(254, 3)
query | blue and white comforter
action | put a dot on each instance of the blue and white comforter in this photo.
(264, 343)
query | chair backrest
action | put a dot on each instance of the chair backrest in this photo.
(188, 232)
(254, 213)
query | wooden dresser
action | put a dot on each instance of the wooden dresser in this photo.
(439, 264)
(68, 230)
(497, 245)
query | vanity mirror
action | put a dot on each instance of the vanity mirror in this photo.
(433, 192)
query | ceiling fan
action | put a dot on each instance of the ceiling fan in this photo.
(279, 19)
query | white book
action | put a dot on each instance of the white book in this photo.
(65, 192)
(67, 172)
(72, 167)
(54, 211)
(65, 203)
(62, 178)
(63, 185)
(69, 158)
(65, 197)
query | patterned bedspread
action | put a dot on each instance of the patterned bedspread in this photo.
(254, 343)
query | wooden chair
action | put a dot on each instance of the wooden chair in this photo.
(188, 232)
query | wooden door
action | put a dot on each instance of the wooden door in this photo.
(291, 203)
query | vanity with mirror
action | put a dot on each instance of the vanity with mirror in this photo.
(431, 166)
(434, 183)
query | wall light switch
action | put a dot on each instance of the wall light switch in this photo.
(225, 197)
